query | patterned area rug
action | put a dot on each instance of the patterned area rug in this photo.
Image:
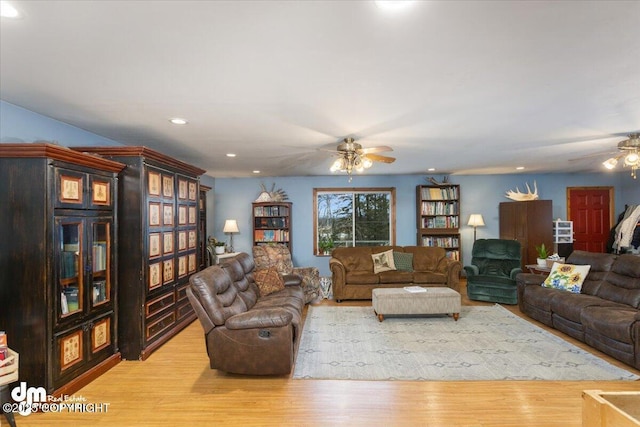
(486, 343)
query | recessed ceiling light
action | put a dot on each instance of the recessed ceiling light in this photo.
(231, 155)
(256, 171)
(178, 121)
(520, 168)
(8, 11)
(431, 169)
(393, 4)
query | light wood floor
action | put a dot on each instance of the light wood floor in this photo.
(175, 387)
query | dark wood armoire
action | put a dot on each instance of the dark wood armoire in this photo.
(530, 223)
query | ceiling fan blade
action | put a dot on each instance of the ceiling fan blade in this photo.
(593, 155)
(379, 149)
(379, 158)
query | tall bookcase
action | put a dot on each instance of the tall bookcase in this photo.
(159, 225)
(58, 263)
(272, 223)
(438, 215)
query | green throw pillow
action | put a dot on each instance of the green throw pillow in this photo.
(567, 277)
(403, 261)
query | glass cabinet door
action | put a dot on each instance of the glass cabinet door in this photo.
(70, 277)
(100, 260)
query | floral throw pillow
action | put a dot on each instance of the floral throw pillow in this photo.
(268, 281)
(383, 261)
(567, 277)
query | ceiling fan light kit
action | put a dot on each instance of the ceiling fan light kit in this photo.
(630, 153)
(351, 156)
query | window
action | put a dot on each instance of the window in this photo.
(353, 217)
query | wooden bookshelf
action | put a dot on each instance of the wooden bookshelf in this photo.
(271, 223)
(438, 217)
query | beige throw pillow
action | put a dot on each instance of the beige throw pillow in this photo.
(383, 261)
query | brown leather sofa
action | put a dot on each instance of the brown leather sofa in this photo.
(353, 277)
(246, 333)
(605, 314)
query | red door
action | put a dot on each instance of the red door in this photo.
(590, 211)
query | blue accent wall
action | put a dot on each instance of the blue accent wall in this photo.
(479, 194)
(230, 198)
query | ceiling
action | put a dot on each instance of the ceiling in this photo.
(474, 87)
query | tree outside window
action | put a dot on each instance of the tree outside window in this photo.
(354, 217)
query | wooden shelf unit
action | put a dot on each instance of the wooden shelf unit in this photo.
(58, 257)
(159, 225)
(438, 217)
(272, 223)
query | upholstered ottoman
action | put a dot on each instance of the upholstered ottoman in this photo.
(432, 300)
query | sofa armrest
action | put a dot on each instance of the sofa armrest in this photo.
(514, 273)
(452, 269)
(525, 279)
(471, 270)
(292, 279)
(338, 277)
(262, 318)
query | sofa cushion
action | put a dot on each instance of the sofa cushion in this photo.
(614, 323)
(570, 306)
(354, 259)
(403, 261)
(395, 276)
(268, 281)
(622, 284)
(567, 277)
(362, 277)
(425, 258)
(383, 261)
(429, 277)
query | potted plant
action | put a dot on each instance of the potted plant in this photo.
(219, 245)
(325, 246)
(542, 255)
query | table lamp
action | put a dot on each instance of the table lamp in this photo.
(231, 226)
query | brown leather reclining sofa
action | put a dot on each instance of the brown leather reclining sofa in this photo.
(606, 312)
(246, 333)
(353, 277)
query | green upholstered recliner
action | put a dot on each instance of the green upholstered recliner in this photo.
(492, 273)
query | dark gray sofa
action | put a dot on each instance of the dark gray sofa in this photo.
(605, 315)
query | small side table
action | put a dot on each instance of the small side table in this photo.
(225, 256)
(8, 375)
(538, 269)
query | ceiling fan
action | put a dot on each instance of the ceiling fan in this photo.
(630, 153)
(351, 156)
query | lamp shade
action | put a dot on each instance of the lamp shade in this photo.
(475, 220)
(230, 226)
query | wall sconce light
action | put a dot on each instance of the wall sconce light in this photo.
(230, 227)
(475, 220)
